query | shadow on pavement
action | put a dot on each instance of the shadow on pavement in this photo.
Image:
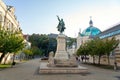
(118, 77)
(36, 71)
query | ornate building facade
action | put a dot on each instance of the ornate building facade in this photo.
(114, 31)
(91, 32)
(8, 20)
(88, 34)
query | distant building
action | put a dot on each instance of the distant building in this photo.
(114, 31)
(26, 37)
(72, 49)
(88, 34)
(21, 55)
(91, 32)
(27, 43)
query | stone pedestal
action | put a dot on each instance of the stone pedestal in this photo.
(61, 62)
(61, 58)
(61, 52)
(44, 69)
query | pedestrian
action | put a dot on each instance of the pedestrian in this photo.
(115, 65)
(82, 57)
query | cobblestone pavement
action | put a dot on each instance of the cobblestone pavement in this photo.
(29, 71)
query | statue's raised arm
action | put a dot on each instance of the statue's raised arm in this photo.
(61, 25)
(58, 18)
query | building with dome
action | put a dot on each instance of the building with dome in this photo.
(91, 32)
(88, 34)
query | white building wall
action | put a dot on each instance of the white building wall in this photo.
(81, 40)
(10, 19)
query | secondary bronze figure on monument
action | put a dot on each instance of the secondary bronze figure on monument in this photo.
(61, 25)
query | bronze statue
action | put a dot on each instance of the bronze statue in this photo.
(61, 25)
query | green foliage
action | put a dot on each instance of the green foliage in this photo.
(36, 51)
(28, 52)
(83, 50)
(34, 39)
(41, 42)
(2, 66)
(98, 47)
(10, 41)
(52, 45)
(110, 45)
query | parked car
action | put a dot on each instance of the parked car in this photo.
(44, 58)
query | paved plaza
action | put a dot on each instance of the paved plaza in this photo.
(29, 71)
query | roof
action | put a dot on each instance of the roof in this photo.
(91, 31)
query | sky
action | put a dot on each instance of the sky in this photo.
(39, 16)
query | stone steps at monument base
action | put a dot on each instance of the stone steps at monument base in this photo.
(44, 69)
(65, 70)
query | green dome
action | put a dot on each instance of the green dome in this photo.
(91, 31)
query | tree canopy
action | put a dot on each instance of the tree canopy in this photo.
(42, 44)
(98, 47)
(10, 41)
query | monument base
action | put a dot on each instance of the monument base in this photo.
(61, 62)
(61, 55)
(44, 69)
(61, 52)
(71, 62)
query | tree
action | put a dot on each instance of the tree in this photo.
(80, 51)
(28, 53)
(41, 42)
(100, 48)
(36, 51)
(83, 50)
(10, 41)
(92, 49)
(34, 39)
(52, 45)
(110, 45)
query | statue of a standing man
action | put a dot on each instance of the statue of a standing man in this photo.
(61, 25)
